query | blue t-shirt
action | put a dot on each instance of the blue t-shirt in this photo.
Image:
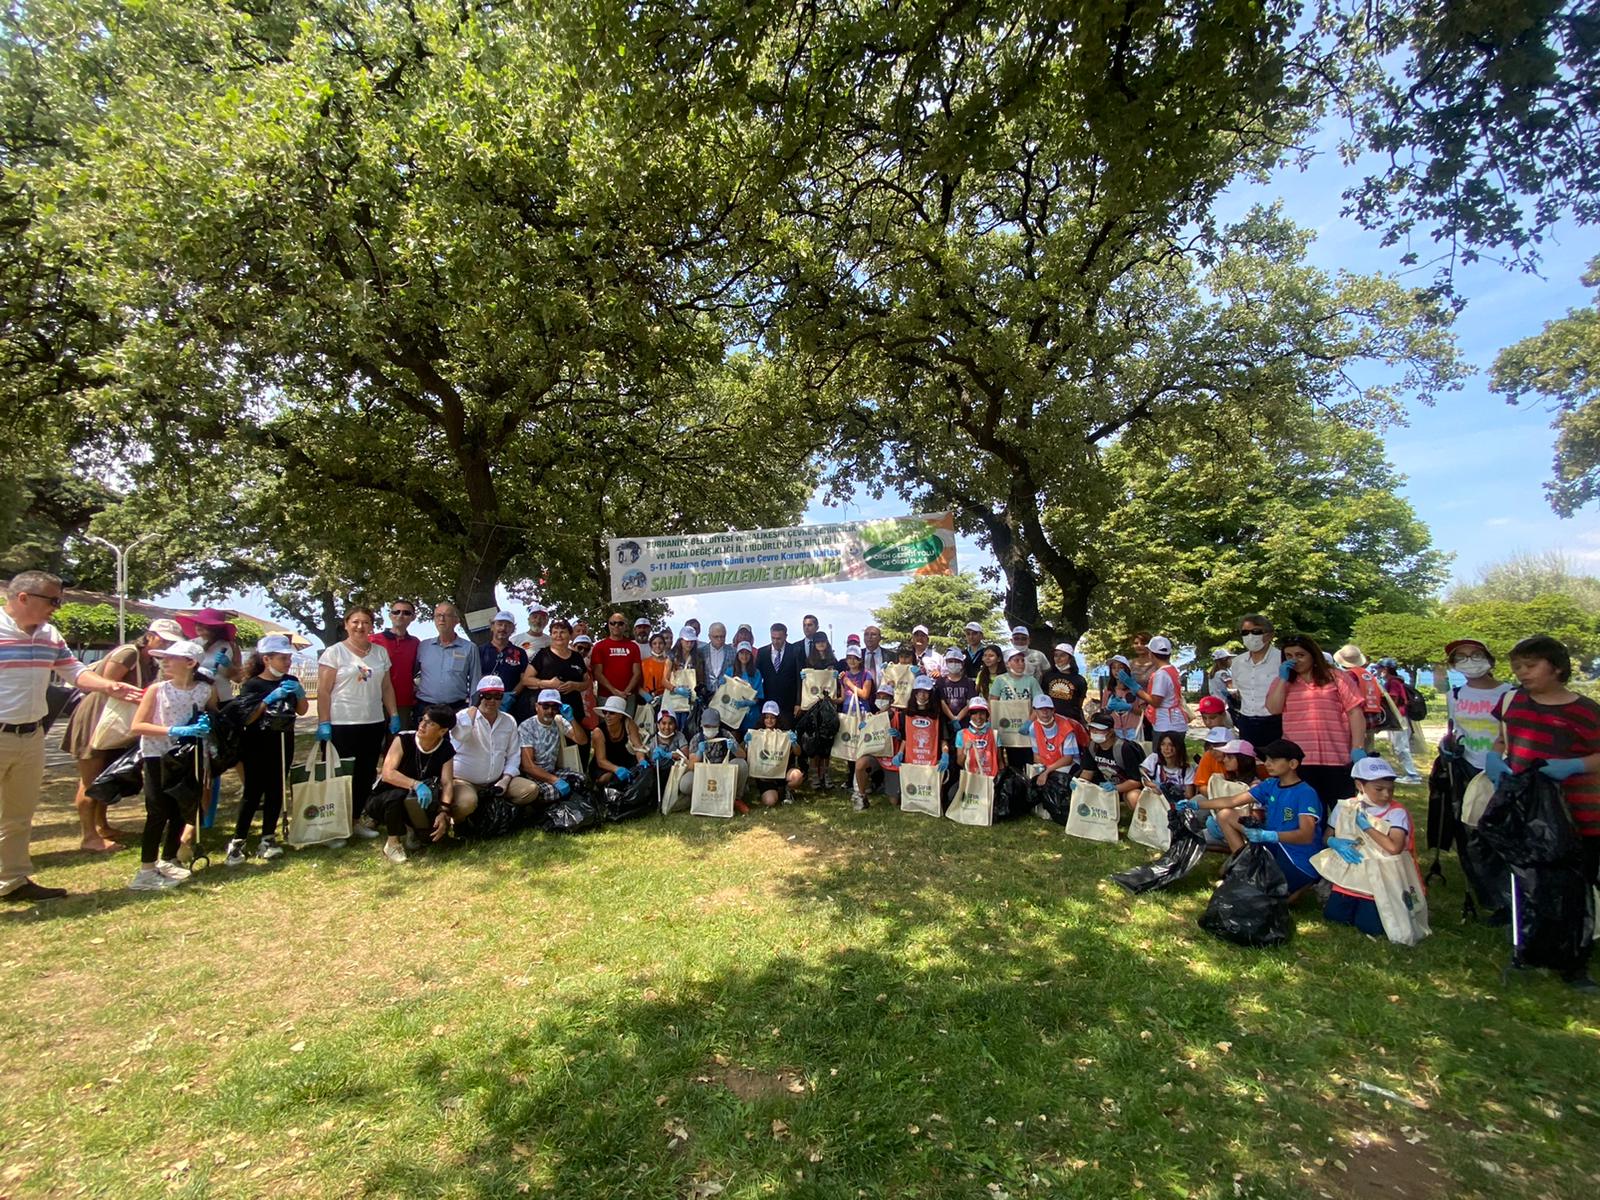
(1282, 808)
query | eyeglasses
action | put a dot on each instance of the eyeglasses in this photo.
(52, 601)
(402, 612)
(616, 624)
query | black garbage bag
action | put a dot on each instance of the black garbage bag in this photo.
(636, 798)
(1485, 870)
(1055, 796)
(1251, 905)
(1527, 822)
(574, 812)
(1183, 855)
(1445, 785)
(180, 772)
(1014, 796)
(1555, 916)
(817, 728)
(123, 778)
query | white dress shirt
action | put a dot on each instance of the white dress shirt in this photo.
(484, 752)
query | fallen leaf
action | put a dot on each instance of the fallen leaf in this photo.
(297, 1048)
(779, 1129)
(1225, 1047)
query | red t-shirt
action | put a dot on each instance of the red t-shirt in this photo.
(615, 658)
(402, 665)
(1543, 732)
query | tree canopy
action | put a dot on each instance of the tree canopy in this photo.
(944, 603)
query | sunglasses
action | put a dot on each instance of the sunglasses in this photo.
(616, 624)
(402, 612)
(52, 601)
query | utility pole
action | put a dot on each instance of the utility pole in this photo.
(122, 553)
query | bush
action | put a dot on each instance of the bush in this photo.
(95, 624)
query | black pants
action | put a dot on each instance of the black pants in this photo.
(363, 745)
(1332, 785)
(386, 808)
(1258, 731)
(265, 757)
(163, 816)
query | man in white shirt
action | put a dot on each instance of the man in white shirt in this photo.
(488, 752)
(929, 661)
(31, 652)
(1253, 673)
(1034, 661)
(535, 639)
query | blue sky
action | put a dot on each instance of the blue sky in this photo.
(1475, 466)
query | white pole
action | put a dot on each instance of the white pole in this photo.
(122, 554)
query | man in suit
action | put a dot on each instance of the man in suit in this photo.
(808, 631)
(779, 664)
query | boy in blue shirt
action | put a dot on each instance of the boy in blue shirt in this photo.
(1290, 816)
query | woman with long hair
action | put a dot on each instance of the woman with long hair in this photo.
(356, 707)
(1321, 710)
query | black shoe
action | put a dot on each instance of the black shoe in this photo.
(33, 891)
(1582, 983)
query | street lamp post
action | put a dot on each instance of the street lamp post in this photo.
(122, 553)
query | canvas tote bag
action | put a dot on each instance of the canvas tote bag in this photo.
(815, 683)
(1009, 716)
(1149, 824)
(319, 797)
(1094, 813)
(973, 803)
(919, 789)
(726, 701)
(715, 785)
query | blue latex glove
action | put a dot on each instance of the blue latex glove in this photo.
(1188, 806)
(1260, 835)
(1346, 849)
(220, 660)
(1362, 821)
(563, 788)
(682, 691)
(425, 796)
(394, 723)
(1118, 706)
(1562, 768)
(324, 732)
(1108, 787)
(746, 704)
(647, 697)
(197, 730)
(794, 738)
(566, 711)
(899, 759)
(1357, 755)
(1286, 672)
(944, 762)
(623, 774)
(1126, 679)
(276, 694)
(1494, 766)
(292, 686)
(747, 734)
(661, 754)
(894, 734)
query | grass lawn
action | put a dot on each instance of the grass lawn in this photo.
(804, 1002)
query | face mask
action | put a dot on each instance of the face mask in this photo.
(1473, 667)
(1255, 641)
(1100, 739)
(272, 673)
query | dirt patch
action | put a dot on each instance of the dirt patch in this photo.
(1385, 1165)
(753, 1086)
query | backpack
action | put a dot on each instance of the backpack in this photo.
(1416, 706)
(1371, 693)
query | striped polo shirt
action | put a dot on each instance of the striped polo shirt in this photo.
(27, 661)
(1543, 732)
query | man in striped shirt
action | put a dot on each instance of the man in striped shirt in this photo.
(31, 651)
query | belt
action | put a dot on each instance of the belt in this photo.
(25, 727)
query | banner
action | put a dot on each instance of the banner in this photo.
(758, 558)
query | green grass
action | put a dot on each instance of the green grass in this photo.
(804, 1002)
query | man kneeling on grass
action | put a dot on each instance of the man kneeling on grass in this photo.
(493, 812)
(1287, 817)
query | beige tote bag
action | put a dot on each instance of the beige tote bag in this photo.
(715, 786)
(973, 803)
(919, 789)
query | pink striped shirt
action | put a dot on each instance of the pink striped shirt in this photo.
(1318, 719)
(27, 660)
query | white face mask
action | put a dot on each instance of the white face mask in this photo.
(1255, 641)
(1100, 739)
(1473, 667)
(270, 671)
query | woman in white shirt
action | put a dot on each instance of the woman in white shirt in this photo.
(354, 696)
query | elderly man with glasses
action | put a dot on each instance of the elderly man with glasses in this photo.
(31, 652)
(447, 664)
(1253, 673)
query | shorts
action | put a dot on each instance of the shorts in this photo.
(1346, 909)
(1298, 878)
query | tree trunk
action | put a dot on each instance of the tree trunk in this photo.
(481, 569)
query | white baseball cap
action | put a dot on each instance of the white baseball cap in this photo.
(922, 684)
(1371, 768)
(974, 627)
(1240, 746)
(182, 648)
(583, 639)
(1160, 645)
(744, 646)
(919, 629)
(1042, 701)
(1220, 653)
(954, 655)
(978, 702)
(503, 615)
(645, 621)
(275, 643)
(493, 683)
(1016, 652)
(771, 708)
(548, 696)
(1065, 648)
(1020, 631)
(1218, 736)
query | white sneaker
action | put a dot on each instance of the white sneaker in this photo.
(395, 854)
(269, 848)
(172, 871)
(148, 879)
(363, 829)
(236, 855)
(1041, 812)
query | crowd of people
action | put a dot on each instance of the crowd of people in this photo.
(449, 737)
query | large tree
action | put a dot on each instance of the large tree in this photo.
(944, 603)
(461, 268)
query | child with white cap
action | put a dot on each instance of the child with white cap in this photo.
(1374, 812)
(176, 709)
(271, 699)
(716, 746)
(793, 777)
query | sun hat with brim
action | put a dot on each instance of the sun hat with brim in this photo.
(1372, 768)
(1349, 655)
(1451, 647)
(615, 704)
(275, 643)
(211, 618)
(183, 648)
